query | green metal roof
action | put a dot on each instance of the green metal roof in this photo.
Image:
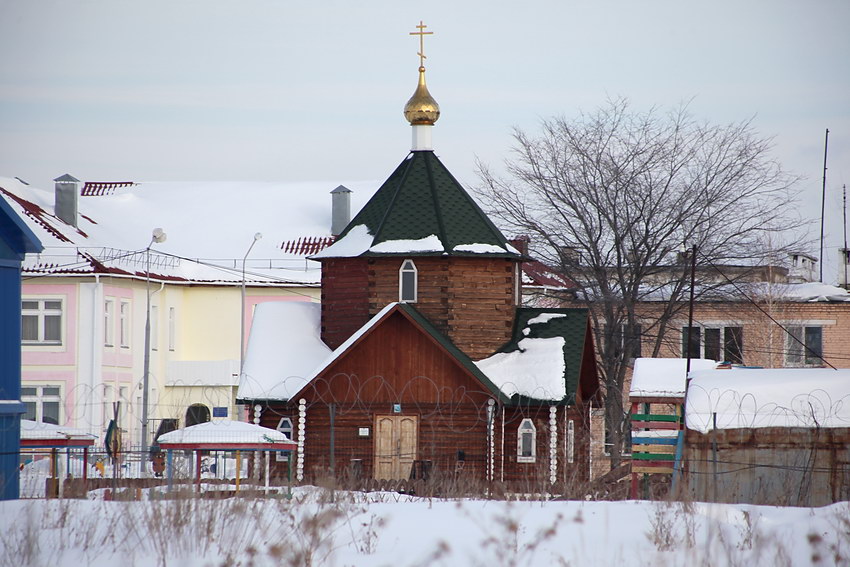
(422, 198)
(571, 324)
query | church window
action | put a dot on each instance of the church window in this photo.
(407, 284)
(285, 427)
(526, 446)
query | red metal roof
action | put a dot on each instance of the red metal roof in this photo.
(97, 188)
(307, 245)
(540, 274)
(37, 214)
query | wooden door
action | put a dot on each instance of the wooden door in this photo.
(396, 445)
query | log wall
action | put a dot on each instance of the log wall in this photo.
(469, 299)
(345, 299)
(453, 438)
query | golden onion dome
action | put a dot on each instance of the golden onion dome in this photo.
(422, 108)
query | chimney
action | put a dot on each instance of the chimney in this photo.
(340, 209)
(66, 197)
(521, 244)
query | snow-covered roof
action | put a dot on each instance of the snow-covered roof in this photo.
(664, 377)
(809, 291)
(758, 291)
(222, 432)
(284, 349)
(536, 370)
(543, 359)
(209, 227)
(359, 240)
(49, 432)
(754, 398)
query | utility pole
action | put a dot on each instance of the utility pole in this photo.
(823, 206)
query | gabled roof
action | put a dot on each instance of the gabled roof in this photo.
(426, 327)
(544, 358)
(421, 209)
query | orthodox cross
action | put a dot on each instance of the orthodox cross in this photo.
(421, 33)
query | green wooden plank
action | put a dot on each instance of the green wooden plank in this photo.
(654, 417)
(652, 457)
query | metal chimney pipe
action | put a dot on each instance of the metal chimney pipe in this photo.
(340, 209)
(66, 197)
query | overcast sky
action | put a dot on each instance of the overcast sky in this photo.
(291, 91)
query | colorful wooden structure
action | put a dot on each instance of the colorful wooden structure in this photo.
(657, 397)
(655, 438)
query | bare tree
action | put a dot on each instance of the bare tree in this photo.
(614, 200)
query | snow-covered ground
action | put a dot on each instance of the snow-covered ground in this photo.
(318, 527)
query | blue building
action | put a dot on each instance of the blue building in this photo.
(15, 241)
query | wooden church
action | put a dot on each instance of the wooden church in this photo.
(432, 367)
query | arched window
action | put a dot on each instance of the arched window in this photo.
(526, 442)
(197, 413)
(407, 282)
(285, 427)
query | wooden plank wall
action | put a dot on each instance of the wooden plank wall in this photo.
(345, 304)
(396, 362)
(533, 474)
(444, 431)
(775, 466)
(469, 299)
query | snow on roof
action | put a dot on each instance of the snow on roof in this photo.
(213, 222)
(483, 248)
(284, 349)
(536, 370)
(810, 291)
(664, 377)
(47, 431)
(544, 318)
(222, 431)
(428, 244)
(754, 398)
(359, 241)
(792, 292)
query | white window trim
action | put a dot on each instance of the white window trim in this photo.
(124, 324)
(284, 428)
(41, 311)
(109, 322)
(403, 270)
(526, 426)
(39, 399)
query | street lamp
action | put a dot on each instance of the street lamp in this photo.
(257, 236)
(157, 236)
